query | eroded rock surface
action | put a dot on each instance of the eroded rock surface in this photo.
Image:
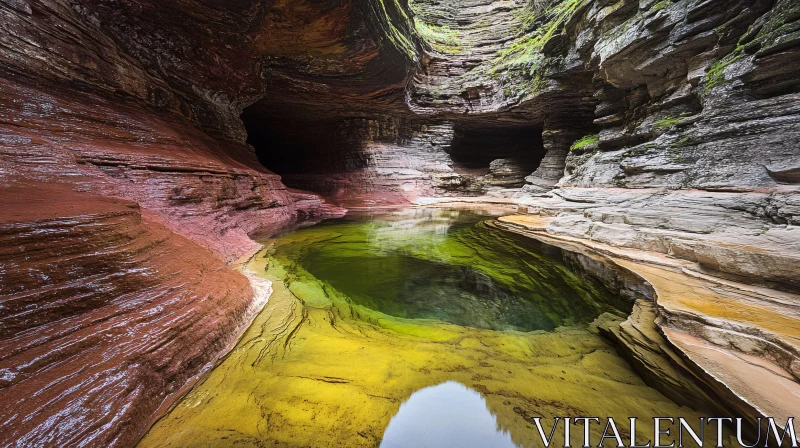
(111, 300)
(105, 316)
(704, 339)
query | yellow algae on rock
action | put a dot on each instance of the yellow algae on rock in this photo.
(318, 369)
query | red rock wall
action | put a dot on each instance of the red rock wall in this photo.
(212, 191)
(105, 316)
(105, 311)
(118, 211)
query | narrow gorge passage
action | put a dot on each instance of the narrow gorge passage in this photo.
(277, 222)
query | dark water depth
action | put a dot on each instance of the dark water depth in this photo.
(453, 267)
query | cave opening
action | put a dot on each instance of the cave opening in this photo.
(327, 152)
(303, 146)
(506, 151)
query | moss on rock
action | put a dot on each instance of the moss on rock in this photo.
(584, 142)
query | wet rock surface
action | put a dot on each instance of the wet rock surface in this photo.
(116, 298)
(702, 336)
(106, 315)
(726, 234)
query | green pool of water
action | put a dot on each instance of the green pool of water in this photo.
(449, 266)
(383, 329)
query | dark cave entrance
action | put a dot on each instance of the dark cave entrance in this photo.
(506, 151)
(323, 153)
(305, 148)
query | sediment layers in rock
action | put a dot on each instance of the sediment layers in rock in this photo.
(633, 95)
(693, 95)
(211, 191)
(745, 236)
(703, 336)
(692, 156)
(106, 315)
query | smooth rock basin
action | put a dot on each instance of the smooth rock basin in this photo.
(373, 314)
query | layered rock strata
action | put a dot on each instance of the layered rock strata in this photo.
(106, 315)
(702, 339)
(694, 95)
(211, 191)
(690, 154)
(115, 298)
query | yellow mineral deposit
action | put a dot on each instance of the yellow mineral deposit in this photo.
(316, 367)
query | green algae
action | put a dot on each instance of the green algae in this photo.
(715, 76)
(658, 6)
(439, 37)
(321, 368)
(520, 64)
(523, 58)
(396, 26)
(471, 275)
(666, 123)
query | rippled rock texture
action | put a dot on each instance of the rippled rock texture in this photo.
(105, 316)
(126, 184)
(209, 190)
(702, 338)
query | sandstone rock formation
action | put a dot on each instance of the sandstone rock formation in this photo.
(142, 142)
(697, 338)
(106, 305)
(102, 310)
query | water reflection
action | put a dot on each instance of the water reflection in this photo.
(448, 414)
(414, 227)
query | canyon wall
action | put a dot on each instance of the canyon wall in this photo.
(632, 94)
(695, 137)
(105, 316)
(126, 186)
(669, 126)
(687, 158)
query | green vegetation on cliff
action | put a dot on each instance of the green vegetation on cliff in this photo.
(583, 142)
(441, 38)
(716, 73)
(525, 54)
(666, 123)
(761, 37)
(537, 29)
(397, 26)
